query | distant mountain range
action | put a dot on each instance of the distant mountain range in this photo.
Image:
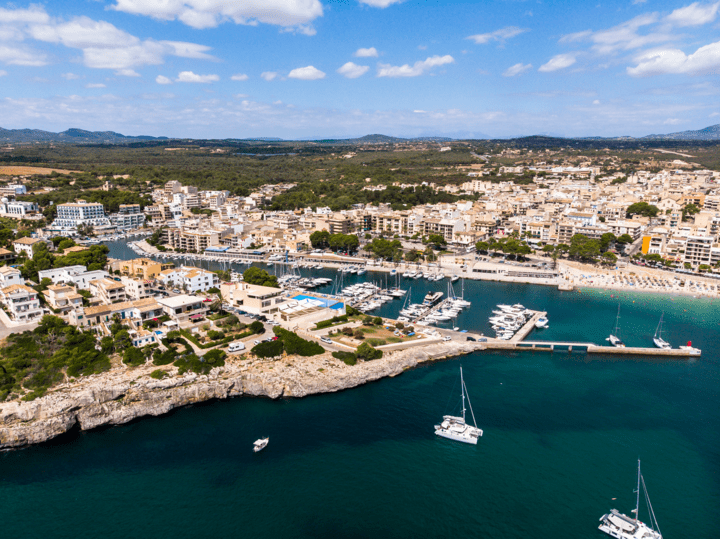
(81, 136)
(71, 136)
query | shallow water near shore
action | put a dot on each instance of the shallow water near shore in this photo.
(562, 436)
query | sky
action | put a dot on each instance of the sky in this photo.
(298, 69)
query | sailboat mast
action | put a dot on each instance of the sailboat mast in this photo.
(617, 322)
(462, 392)
(637, 503)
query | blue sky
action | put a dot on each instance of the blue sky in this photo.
(342, 68)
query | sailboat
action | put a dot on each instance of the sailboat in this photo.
(614, 336)
(657, 339)
(455, 428)
(620, 526)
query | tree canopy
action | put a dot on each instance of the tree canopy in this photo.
(259, 276)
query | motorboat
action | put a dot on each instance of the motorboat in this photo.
(260, 444)
(541, 322)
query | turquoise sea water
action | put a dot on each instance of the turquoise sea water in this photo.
(562, 436)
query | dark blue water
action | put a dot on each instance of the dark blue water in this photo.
(562, 436)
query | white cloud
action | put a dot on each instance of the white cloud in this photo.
(380, 3)
(269, 75)
(560, 61)
(622, 37)
(95, 85)
(597, 101)
(241, 96)
(498, 35)
(70, 76)
(189, 76)
(3, 72)
(21, 56)
(210, 13)
(351, 70)
(417, 69)
(306, 73)
(704, 61)
(127, 73)
(695, 14)
(240, 77)
(33, 15)
(366, 53)
(104, 46)
(517, 69)
(160, 79)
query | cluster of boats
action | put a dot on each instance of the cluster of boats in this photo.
(368, 296)
(508, 319)
(352, 268)
(425, 313)
(439, 276)
(658, 340)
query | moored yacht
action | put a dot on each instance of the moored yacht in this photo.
(657, 339)
(614, 336)
(455, 428)
(621, 526)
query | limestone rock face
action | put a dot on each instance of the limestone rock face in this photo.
(122, 395)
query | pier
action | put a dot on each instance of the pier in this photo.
(518, 342)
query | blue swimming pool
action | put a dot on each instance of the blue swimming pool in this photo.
(331, 303)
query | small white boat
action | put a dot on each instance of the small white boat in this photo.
(541, 322)
(658, 340)
(260, 444)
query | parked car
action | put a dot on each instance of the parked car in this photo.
(326, 340)
(471, 339)
(256, 341)
(446, 339)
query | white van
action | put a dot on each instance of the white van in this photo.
(236, 346)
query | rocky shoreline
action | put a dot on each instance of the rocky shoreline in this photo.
(122, 394)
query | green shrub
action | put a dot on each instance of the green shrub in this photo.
(257, 327)
(158, 374)
(368, 321)
(200, 365)
(164, 358)
(367, 352)
(134, 357)
(352, 311)
(268, 349)
(359, 334)
(376, 342)
(333, 320)
(295, 344)
(377, 321)
(348, 358)
(215, 335)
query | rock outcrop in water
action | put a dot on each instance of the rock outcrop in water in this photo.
(122, 394)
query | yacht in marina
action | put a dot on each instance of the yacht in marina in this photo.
(657, 339)
(433, 297)
(455, 428)
(541, 322)
(614, 337)
(615, 524)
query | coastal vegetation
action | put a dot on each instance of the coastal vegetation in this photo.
(258, 276)
(33, 361)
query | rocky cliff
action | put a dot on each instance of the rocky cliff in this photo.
(123, 394)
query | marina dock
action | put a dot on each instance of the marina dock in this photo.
(518, 342)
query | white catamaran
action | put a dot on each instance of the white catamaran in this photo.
(657, 339)
(620, 526)
(614, 337)
(455, 428)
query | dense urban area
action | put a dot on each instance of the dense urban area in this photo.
(547, 211)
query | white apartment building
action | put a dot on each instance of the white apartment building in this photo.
(21, 210)
(25, 245)
(129, 217)
(135, 288)
(10, 276)
(78, 275)
(21, 302)
(191, 279)
(72, 215)
(697, 250)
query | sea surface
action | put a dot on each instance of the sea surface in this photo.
(562, 435)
